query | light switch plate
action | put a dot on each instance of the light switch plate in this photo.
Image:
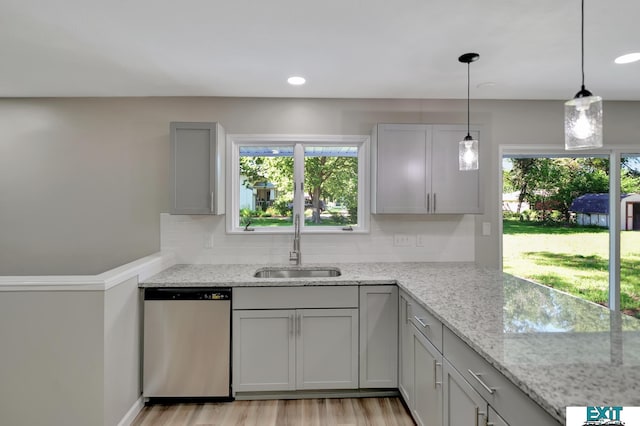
(486, 229)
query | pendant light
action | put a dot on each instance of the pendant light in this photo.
(583, 114)
(468, 147)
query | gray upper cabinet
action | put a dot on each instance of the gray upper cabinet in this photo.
(454, 191)
(197, 168)
(415, 170)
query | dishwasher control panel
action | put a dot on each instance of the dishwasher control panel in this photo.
(187, 293)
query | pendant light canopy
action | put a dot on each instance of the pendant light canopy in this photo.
(468, 147)
(583, 114)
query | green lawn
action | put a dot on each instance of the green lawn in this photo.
(573, 259)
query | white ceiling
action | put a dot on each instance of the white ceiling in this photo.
(530, 49)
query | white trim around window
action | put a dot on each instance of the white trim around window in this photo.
(235, 141)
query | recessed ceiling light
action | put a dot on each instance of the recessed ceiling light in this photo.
(628, 58)
(296, 80)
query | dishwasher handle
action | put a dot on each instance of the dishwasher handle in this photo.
(187, 293)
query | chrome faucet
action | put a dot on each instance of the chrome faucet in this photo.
(296, 254)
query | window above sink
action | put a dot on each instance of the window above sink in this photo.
(324, 179)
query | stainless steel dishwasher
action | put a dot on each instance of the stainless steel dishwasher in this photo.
(187, 343)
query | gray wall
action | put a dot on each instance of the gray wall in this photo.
(82, 181)
(122, 349)
(51, 358)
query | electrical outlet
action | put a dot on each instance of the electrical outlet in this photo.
(420, 240)
(208, 241)
(404, 240)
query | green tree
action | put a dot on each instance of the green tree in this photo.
(275, 170)
(578, 176)
(629, 182)
(329, 178)
(553, 183)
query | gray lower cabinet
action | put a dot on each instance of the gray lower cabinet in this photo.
(463, 406)
(427, 380)
(498, 393)
(295, 338)
(379, 336)
(295, 349)
(327, 349)
(264, 350)
(445, 382)
(197, 168)
(405, 354)
(420, 366)
(494, 419)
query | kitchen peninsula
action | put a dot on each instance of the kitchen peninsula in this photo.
(558, 350)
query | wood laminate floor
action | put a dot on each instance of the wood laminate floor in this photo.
(320, 412)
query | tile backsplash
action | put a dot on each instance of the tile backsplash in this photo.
(392, 238)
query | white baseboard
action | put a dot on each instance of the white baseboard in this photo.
(130, 416)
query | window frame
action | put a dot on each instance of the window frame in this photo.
(235, 141)
(614, 153)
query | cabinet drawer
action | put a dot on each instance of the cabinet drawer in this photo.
(426, 323)
(507, 399)
(295, 297)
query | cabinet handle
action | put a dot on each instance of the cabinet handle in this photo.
(435, 374)
(428, 199)
(484, 385)
(434, 202)
(291, 325)
(408, 313)
(299, 324)
(212, 202)
(422, 323)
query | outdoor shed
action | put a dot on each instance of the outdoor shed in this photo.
(593, 209)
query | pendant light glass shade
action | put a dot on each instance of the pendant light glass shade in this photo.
(583, 123)
(468, 152)
(583, 115)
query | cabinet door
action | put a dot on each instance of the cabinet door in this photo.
(402, 172)
(263, 350)
(463, 406)
(494, 418)
(197, 168)
(327, 349)
(405, 379)
(454, 191)
(379, 336)
(427, 379)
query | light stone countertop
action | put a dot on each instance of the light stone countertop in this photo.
(560, 350)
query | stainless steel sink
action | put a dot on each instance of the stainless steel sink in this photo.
(297, 272)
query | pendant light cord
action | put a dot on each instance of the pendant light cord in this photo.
(582, 43)
(468, 96)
